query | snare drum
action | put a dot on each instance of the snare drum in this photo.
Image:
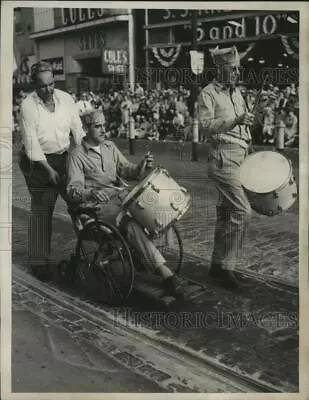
(267, 178)
(157, 201)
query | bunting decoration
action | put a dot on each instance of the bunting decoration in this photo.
(291, 46)
(166, 57)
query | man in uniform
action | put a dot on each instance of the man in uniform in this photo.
(48, 117)
(224, 119)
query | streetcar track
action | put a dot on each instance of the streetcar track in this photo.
(272, 282)
(201, 363)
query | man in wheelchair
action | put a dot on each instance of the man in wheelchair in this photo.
(95, 173)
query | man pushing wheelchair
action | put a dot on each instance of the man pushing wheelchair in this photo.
(96, 171)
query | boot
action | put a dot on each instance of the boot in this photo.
(224, 278)
(173, 287)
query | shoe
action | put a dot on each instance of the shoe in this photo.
(42, 272)
(224, 278)
(173, 287)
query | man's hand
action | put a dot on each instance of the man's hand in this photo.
(100, 196)
(148, 160)
(246, 118)
(54, 177)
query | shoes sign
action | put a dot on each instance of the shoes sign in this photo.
(115, 60)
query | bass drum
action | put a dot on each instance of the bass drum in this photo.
(157, 201)
(267, 178)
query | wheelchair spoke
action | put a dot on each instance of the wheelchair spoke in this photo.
(113, 284)
(106, 263)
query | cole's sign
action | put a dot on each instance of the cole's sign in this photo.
(72, 16)
(115, 61)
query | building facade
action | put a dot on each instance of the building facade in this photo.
(265, 40)
(24, 51)
(88, 47)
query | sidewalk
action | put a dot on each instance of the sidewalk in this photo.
(47, 359)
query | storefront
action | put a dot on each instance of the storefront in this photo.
(266, 40)
(88, 49)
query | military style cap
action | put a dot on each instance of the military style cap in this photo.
(228, 56)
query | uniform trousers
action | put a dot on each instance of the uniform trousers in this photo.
(233, 208)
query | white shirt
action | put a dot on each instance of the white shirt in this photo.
(44, 132)
(178, 120)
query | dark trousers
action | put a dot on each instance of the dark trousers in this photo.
(43, 200)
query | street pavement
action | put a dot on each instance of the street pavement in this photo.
(271, 248)
(222, 325)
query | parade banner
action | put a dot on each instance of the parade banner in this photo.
(197, 61)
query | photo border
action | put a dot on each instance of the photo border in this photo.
(6, 159)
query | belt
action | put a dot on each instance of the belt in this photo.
(57, 154)
(228, 139)
(65, 152)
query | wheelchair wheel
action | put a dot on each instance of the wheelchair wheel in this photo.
(105, 265)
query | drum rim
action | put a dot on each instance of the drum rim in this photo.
(284, 184)
(137, 190)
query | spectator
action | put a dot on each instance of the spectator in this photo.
(83, 105)
(125, 110)
(268, 125)
(290, 130)
(139, 91)
(181, 105)
(161, 109)
(178, 125)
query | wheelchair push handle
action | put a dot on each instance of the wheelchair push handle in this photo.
(89, 208)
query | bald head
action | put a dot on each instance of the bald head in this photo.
(94, 125)
(91, 117)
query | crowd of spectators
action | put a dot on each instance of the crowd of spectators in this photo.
(164, 114)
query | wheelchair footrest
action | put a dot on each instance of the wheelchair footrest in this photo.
(150, 286)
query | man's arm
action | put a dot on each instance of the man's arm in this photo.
(76, 181)
(126, 169)
(209, 124)
(28, 120)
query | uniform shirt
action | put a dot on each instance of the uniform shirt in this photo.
(88, 169)
(217, 108)
(44, 132)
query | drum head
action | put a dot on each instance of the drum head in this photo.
(264, 171)
(134, 192)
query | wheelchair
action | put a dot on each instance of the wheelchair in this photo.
(103, 264)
